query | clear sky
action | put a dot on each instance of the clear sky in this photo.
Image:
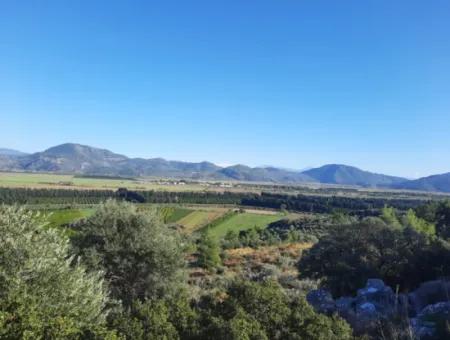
(291, 83)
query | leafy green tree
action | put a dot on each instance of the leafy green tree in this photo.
(43, 296)
(251, 310)
(243, 326)
(418, 224)
(142, 258)
(304, 323)
(266, 302)
(168, 318)
(208, 252)
(351, 254)
(146, 320)
(428, 211)
(389, 216)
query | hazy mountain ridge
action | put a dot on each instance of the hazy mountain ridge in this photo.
(349, 175)
(11, 152)
(82, 159)
(431, 183)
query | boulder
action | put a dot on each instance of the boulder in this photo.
(322, 301)
(428, 307)
(429, 293)
(430, 318)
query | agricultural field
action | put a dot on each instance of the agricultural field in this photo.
(244, 221)
(220, 220)
(55, 181)
(60, 181)
(173, 214)
(191, 218)
(57, 218)
(200, 218)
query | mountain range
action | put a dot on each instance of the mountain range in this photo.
(82, 159)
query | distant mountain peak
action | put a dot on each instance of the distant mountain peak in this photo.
(350, 175)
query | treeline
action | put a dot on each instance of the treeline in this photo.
(301, 203)
(328, 204)
(53, 196)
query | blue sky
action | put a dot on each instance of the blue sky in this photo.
(287, 83)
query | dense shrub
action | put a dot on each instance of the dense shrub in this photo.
(351, 254)
(249, 310)
(42, 296)
(208, 252)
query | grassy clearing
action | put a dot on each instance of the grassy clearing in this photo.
(244, 221)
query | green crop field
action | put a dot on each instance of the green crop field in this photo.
(57, 218)
(244, 221)
(199, 218)
(174, 214)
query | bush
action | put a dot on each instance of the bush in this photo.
(41, 295)
(208, 252)
(351, 254)
(249, 310)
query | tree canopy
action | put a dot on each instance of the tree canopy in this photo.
(142, 258)
(44, 293)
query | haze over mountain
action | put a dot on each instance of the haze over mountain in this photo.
(82, 159)
(349, 175)
(11, 152)
(431, 183)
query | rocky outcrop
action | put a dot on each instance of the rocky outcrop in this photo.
(425, 308)
(425, 323)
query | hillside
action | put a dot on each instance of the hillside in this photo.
(430, 183)
(269, 174)
(11, 152)
(349, 175)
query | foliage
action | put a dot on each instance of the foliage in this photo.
(42, 295)
(141, 257)
(420, 225)
(389, 216)
(208, 252)
(351, 254)
(146, 320)
(171, 318)
(438, 213)
(305, 229)
(249, 310)
(443, 220)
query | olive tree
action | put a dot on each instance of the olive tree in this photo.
(44, 293)
(142, 258)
